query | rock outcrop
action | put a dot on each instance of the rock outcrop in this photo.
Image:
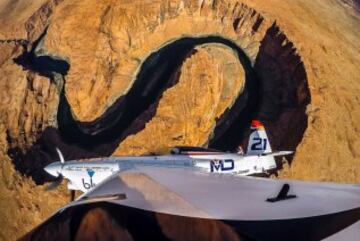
(111, 70)
(193, 105)
(106, 77)
(123, 34)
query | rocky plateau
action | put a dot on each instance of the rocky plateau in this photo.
(118, 77)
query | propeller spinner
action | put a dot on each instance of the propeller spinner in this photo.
(55, 170)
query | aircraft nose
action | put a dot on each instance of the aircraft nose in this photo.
(53, 169)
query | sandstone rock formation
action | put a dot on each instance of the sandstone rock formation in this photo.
(193, 104)
(106, 77)
(122, 35)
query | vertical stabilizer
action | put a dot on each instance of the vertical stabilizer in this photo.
(258, 140)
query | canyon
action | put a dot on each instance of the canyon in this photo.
(100, 78)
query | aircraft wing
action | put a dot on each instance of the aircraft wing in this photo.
(265, 209)
(188, 192)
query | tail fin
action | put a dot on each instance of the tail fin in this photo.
(258, 140)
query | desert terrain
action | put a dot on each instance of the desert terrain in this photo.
(105, 77)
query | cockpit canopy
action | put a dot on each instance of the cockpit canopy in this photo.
(183, 150)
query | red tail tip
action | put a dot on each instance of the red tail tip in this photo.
(256, 124)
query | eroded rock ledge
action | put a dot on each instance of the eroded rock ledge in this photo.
(127, 69)
(194, 103)
(327, 42)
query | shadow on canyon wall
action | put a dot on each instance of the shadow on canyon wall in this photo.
(281, 100)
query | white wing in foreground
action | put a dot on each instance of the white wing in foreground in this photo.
(265, 209)
(185, 192)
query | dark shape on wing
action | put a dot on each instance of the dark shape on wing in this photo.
(283, 194)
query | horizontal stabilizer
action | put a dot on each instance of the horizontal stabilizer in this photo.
(278, 153)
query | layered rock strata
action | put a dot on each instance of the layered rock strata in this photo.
(98, 77)
(193, 104)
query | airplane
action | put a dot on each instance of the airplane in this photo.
(260, 209)
(198, 183)
(87, 173)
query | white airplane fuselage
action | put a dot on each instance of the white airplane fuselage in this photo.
(83, 175)
(87, 173)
